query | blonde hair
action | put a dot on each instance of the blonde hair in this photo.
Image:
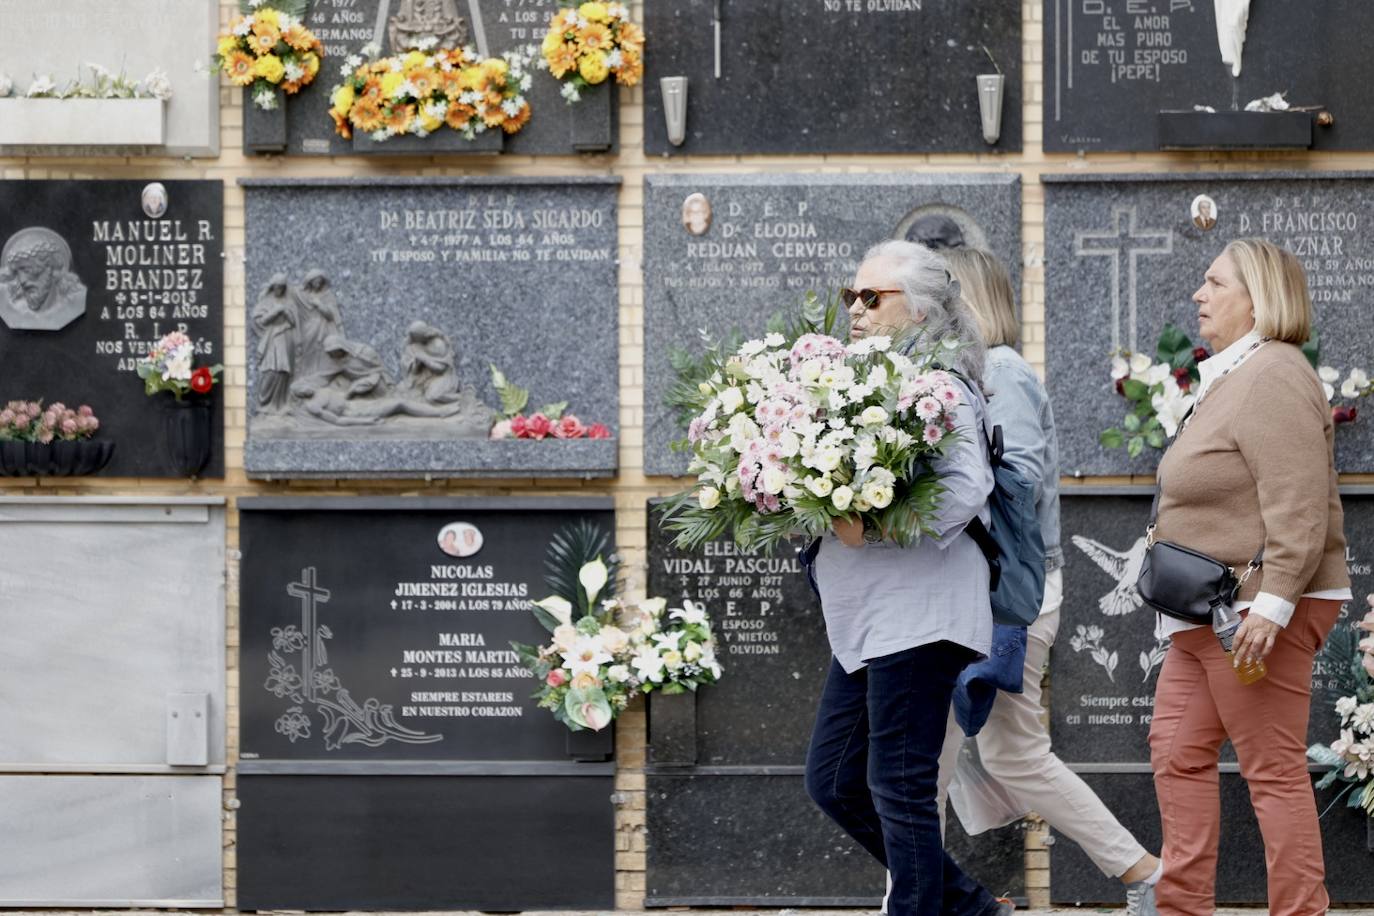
(987, 290)
(1277, 284)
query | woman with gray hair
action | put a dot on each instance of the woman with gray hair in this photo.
(903, 622)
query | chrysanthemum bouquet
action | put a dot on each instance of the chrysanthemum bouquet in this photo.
(30, 421)
(797, 429)
(588, 42)
(419, 92)
(170, 366)
(269, 48)
(1350, 650)
(606, 651)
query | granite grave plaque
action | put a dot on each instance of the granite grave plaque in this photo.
(387, 725)
(377, 309)
(492, 27)
(725, 252)
(1111, 68)
(135, 38)
(1103, 674)
(735, 753)
(88, 281)
(832, 76)
(1124, 255)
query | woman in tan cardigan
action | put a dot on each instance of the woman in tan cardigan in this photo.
(1252, 466)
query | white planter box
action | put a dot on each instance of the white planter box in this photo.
(81, 122)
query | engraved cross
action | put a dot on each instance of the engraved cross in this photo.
(311, 596)
(1124, 237)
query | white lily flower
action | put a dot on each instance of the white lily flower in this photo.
(593, 577)
(559, 607)
(1329, 374)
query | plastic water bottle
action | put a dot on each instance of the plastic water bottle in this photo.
(1225, 622)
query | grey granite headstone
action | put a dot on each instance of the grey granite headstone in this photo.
(726, 252)
(492, 27)
(1123, 257)
(133, 37)
(832, 76)
(1110, 68)
(517, 273)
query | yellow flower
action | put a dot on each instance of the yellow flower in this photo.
(343, 98)
(451, 82)
(631, 37)
(398, 118)
(265, 37)
(227, 45)
(429, 122)
(291, 87)
(298, 37)
(426, 81)
(594, 12)
(563, 59)
(563, 22)
(513, 125)
(341, 123)
(239, 66)
(366, 115)
(552, 41)
(311, 64)
(495, 69)
(593, 68)
(631, 69)
(269, 68)
(472, 79)
(390, 83)
(267, 16)
(413, 59)
(594, 37)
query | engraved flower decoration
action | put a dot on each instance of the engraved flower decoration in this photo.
(294, 723)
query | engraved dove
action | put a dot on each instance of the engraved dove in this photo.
(1123, 567)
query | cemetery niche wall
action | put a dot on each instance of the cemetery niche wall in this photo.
(1103, 673)
(1125, 253)
(379, 308)
(490, 27)
(112, 765)
(1129, 75)
(770, 76)
(727, 252)
(392, 756)
(92, 275)
(733, 756)
(160, 45)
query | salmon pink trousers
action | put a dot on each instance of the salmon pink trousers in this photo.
(1199, 703)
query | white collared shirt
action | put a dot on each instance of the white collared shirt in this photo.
(1269, 606)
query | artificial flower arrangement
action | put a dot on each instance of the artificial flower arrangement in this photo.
(548, 422)
(797, 429)
(30, 421)
(421, 91)
(1351, 756)
(588, 42)
(607, 651)
(1356, 385)
(268, 47)
(103, 84)
(169, 366)
(1158, 391)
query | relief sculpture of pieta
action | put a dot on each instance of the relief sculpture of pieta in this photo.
(418, 21)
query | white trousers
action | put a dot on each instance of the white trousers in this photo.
(1015, 749)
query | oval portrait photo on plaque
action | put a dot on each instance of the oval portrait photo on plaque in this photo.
(460, 539)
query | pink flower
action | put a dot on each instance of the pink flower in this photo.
(556, 678)
(85, 410)
(928, 408)
(69, 427)
(598, 431)
(538, 426)
(932, 435)
(569, 427)
(502, 430)
(949, 395)
(519, 426)
(46, 435)
(694, 430)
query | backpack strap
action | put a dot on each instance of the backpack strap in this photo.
(983, 538)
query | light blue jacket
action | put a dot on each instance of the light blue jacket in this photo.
(1017, 402)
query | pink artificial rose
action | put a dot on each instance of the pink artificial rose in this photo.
(85, 410)
(556, 678)
(598, 431)
(69, 427)
(569, 427)
(539, 426)
(503, 430)
(519, 426)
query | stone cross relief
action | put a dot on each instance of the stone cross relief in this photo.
(1125, 239)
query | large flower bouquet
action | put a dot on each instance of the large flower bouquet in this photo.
(551, 421)
(1157, 392)
(606, 651)
(30, 421)
(1351, 756)
(797, 429)
(586, 43)
(170, 366)
(420, 92)
(269, 48)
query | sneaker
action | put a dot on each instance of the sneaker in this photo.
(1005, 906)
(1140, 899)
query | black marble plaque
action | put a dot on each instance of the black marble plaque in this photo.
(363, 640)
(832, 76)
(1111, 66)
(345, 27)
(494, 843)
(734, 755)
(128, 279)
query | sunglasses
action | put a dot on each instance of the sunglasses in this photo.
(869, 297)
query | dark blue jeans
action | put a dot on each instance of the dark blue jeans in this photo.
(872, 767)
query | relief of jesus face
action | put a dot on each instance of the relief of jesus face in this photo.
(36, 276)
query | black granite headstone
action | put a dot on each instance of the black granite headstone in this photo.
(832, 76)
(130, 279)
(1124, 256)
(1111, 67)
(734, 754)
(493, 27)
(387, 725)
(1103, 674)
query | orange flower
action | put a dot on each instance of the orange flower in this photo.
(366, 115)
(298, 37)
(562, 59)
(341, 124)
(372, 90)
(451, 83)
(398, 118)
(631, 69)
(494, 116)
(594, 37)
(265, 38)
(513, 125)
(631, 37)
(291, 87)
(425, 81)
(494, 98)
(459, 115)
(239, 67)
(457, 57)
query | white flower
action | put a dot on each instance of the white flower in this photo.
(587, 656)
(1119, 368)
(865, 453)
(569, 92)
(178, 368)
(689, 613)
(266, 99)
(1364, 718)
(41, 86)
(731, 399)
(565, 637)
(560, 608)
(1329, 374)
(841, 498)
(618, 673)
(1157, 373)
(1140, 364)
(752, 348)
(664, 642)
(614, 639)
(593, 578)
(810, 370)
(1349, 389)
(692, 652)
(873, 416)
(1328, 390)
(880, 495)
(774, 340)
(1345, 708)
(774, 479)
(511, 107)
(1360, 378)
(1170, 406)
(826, 459)
(245, 25)
(708, 498)
(648, 665)
(821, 486)
(157, 85)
